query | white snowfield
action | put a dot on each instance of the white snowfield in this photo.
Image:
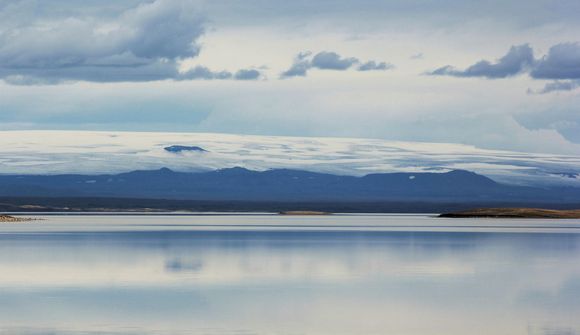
(92, 152)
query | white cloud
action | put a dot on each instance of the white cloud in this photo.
(399, 104)
(143, 43)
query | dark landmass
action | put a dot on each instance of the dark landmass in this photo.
(273, 191)
(238, 184)
(136, 205)
(182, 148)
(535, 213)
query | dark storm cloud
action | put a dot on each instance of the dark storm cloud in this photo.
(561, 62)
(516, 61)
(141, 43)
(328, 60)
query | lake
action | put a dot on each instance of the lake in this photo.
(268, 274)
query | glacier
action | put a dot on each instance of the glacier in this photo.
(35, 152)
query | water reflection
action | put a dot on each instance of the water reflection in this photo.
(289, 282)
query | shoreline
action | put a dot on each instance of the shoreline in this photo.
(515, 213)
(12, 219)
(499, 213)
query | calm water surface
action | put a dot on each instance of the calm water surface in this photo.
(355, 275)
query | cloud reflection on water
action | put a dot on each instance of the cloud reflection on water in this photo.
(289, 282)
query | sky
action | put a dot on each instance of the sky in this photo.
(494, 74)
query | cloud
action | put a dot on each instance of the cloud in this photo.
(142, 43)
(516, 61)
(565, 121)
(151, 72)
(247, 74)
(202, 72)
(419, 55)
(561, 62)
(400, 15)
(557, 86)
(299, 67)
(328, 60)
(374, 66)
(332, 61)
(558, 331)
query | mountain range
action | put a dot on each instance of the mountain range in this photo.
(240, 184)
(227, 168)
(109, 152)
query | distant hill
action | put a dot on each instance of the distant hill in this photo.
(183, 148)
(239, 184)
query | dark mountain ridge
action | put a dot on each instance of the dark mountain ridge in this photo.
(237, 184)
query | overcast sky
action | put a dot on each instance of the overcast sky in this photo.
(496, 74)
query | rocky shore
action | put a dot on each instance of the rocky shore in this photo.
(8, 218)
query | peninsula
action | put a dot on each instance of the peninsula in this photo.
(8, 218)
(532, 213)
